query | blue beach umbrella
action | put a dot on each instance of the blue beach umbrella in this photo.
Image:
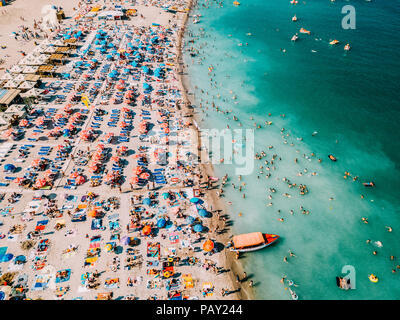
(198, 227)
(190, 219)
(2, 295)
(202, 213)
(161, 223)
(7, 257)
(147, 201)
(125, 240)
(9, 167)
(194, 200)
(20, 258)
(165, 195)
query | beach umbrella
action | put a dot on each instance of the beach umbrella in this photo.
(74, 175)
(134, 180)
(198, 227)
(144, 175)
(48, 173)
(202, 213)
(20, 258)
(190, 219)
(165, 195)
(39, 121)
(208, 245)
(161, 223)
(147, 201)
(9, 167)
(35, 162)
(126, 240)
(40, 183)
(194, 200)
(138, 170)
(109, 177)
(92, 213)
(122, 148)
(59, 116)
(19, 180)
(80, 180)
(2, 295)
(146, 230)
(7, 257)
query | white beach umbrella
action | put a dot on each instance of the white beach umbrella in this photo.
(19, 77)
(23, 61)
(50, 49)
(6, 76)
(34, 92)
(27, 85)
(12, 84)
(16, 69)
(58, 43)
(30, 69)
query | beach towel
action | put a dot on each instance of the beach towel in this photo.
(153, 250)
(174, 238)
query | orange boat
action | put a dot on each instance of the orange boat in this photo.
(302, 30)
(252, 241)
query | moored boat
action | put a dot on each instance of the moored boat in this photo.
(252, 241)
(302, 30)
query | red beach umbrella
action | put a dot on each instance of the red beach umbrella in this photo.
(40, 183)
(146, 230)
(80, 180)
(208, 245)
(35, 162)
(23, 123)
(144, 175)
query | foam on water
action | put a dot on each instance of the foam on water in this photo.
(329, 92)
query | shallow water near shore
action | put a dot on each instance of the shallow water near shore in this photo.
(350, 99)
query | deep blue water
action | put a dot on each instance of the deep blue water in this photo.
(350, 99)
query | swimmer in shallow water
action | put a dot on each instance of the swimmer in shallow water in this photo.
(365, 220)
(389, 229)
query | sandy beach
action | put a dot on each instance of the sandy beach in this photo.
(75, 222)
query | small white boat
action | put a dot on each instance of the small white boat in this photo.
(293, 294)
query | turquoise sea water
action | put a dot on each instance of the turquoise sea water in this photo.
(350, 99)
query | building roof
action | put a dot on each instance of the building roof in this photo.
(7, 96)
